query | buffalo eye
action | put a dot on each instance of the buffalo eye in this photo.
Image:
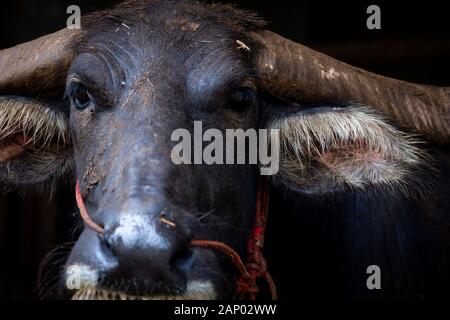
(79, 96)
(241, 99)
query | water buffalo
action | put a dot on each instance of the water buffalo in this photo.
(363, 177)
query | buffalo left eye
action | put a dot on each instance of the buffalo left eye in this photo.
(241, 99)
(79, 96)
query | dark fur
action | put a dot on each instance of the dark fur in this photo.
(335, 237)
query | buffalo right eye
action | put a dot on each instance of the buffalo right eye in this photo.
(79, 96)
(241, 99)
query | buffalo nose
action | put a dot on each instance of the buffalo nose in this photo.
(147, 249)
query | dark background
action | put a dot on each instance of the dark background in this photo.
(413, 45)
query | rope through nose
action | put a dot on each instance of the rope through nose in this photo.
(256, 263)
(83, 212)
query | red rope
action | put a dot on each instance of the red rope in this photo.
(83, 212)
(220, 246)
(256, 265)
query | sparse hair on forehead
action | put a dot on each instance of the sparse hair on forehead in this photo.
(137, 16)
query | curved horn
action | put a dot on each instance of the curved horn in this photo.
(292, 71)
(38, 65)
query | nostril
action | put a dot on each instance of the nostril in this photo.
(105, 245)
(106, 241)
(183, 259)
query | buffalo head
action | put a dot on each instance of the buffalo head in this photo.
(135, 74)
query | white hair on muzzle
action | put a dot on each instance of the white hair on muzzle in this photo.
(345, 147)
(196, 290)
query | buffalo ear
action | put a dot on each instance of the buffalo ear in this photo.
(34, 140)
(34, 132)
(352, 147)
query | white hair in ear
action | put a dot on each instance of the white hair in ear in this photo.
(35, 144)
(328, 148)
(39, 124)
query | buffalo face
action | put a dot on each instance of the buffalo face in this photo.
(130, 86)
